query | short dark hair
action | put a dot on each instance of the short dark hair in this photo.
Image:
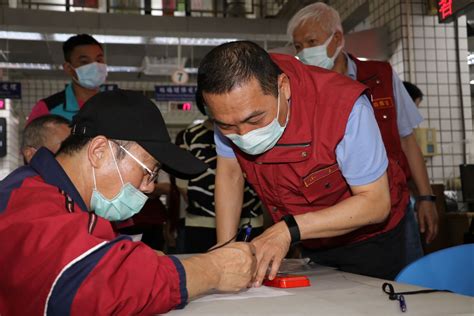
(200, 102)
(75, 143)
(78, 40)
(235, 63)
(35, 133)
(413, 90)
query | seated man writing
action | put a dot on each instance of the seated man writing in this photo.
(60, 252)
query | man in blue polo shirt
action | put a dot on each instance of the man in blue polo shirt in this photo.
(84, 62)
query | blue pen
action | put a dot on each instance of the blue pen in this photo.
(248, 230)
(403, 305)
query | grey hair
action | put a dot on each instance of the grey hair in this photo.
(327, 17)
(36, 132)
(119, 153)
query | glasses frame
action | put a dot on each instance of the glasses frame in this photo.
(153, 175)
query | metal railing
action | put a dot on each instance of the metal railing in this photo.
(195, 8)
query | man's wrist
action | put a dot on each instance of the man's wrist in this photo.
(428, 198)
(214, 268)
(292, 228)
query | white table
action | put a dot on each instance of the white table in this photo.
(337, 293)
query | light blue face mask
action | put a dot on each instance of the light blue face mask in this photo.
(261, 139)
(92, 75)
(318, 55)
(128, 202)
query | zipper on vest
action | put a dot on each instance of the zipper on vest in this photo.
(301, 145)
(293, 145)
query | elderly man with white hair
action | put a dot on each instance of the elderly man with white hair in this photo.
(318, 38)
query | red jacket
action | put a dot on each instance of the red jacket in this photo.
(58, 259)
(377, 75)
(300, 174)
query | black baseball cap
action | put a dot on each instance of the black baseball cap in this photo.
(129, 115)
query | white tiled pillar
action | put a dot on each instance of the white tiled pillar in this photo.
(423, 52)
(434, 70)
(13, 158)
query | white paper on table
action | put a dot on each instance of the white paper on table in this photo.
(254, 292)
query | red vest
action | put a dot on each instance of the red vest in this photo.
(300, 174)
(377, 76)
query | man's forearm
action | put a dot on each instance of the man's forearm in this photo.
(229, 191)
(228, 200)
(365, 207)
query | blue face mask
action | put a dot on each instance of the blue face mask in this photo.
(128, 202)
(261, 139)
(318, 55)
(92, 75)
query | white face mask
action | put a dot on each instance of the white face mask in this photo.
(92, 75)
(261, 139)
(318, 55)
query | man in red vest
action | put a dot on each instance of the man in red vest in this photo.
(307, 141)
(317, 35)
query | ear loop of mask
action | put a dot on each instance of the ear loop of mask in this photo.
(115, 161)
(278, 111)
(93, 177)
(326, 43)
(74, 78)
(116, 165)
(338, 49)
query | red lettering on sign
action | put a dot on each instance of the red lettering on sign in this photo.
(445, 8)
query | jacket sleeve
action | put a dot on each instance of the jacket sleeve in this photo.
(130, 278)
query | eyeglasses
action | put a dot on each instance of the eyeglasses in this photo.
(152, 175)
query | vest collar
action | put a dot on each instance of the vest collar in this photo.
(296, 142)
(369, 76)
(71, 104)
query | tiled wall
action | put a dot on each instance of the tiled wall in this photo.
(344, 7)
(423, 52)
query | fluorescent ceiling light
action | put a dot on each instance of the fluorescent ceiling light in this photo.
(208, 41)
(123, 69)
(59, 37)
(29, 66)
(23, 36)
(191, 41)
(119, 39)
(165, 40)
(104, 39)
(191, 70)
(205, 41)
(38, 66)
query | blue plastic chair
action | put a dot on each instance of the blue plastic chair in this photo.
(447, 269)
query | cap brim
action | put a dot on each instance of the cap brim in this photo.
(175, 160)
